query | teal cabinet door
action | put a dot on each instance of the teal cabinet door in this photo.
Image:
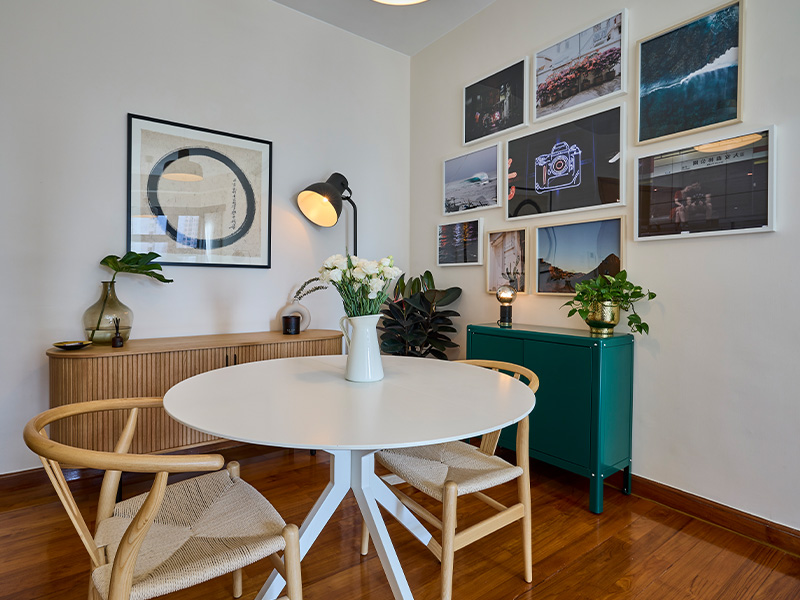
(583, 414)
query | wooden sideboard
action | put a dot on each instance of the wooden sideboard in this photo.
(149, 367)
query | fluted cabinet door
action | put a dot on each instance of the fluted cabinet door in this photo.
(149, 368)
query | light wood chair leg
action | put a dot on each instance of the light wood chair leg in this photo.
(524, 489)
(291, 558)
(93, 593)
(237, 583)
(364, 538)
(450, 499)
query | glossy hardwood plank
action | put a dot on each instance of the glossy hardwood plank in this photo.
(635, 550)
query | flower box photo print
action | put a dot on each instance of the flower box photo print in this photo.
(198, 196)
(690, 76)
(589, 66)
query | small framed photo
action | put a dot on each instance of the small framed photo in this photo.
(722, 187)
(460, 244)
(471, 181)
(587, 67)
(198, 196)
(496, 104)
(571, 167)
(507, 260)
(575, 252)
(690, 76)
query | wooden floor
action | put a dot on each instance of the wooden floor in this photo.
(635, 550)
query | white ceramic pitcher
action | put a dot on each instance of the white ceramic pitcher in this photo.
(364, 353)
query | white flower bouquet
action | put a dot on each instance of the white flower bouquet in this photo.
(362, 284)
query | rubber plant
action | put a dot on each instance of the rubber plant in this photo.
(616, 290)
(414, 323)
(133, 262)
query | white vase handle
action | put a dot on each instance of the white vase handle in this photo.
(343, 326)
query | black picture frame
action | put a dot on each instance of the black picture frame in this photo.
(222, 217)
(571, 167)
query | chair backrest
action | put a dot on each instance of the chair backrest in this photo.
(53, 454)
(489, 440)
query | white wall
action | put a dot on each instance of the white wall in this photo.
(716, 408)
(69, 74)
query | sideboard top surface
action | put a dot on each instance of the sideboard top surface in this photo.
(579, 336)
(194, 342)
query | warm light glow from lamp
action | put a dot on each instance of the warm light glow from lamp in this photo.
(321, 203)
(505, 295)
(729, 144)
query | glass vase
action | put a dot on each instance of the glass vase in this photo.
(98, 320)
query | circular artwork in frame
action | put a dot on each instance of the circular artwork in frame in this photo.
(198, 196)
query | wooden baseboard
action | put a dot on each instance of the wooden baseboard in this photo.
(767, 532)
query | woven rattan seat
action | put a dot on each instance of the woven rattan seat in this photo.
(174, 536)
(207, 526)
(427, 468)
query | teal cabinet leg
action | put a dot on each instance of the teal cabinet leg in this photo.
(596, 494)
(626, 481)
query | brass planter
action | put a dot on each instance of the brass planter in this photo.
(602, 318)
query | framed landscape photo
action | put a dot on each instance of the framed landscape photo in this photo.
(471, 181)
(198, 196)
(588, 66)
(571, 167)
(574, 252)
(722, 187)
(497, 103)
(507, 260)
(690, 76)
(460, 244)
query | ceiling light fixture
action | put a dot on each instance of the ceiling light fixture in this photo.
(400, 2)
(729, 144)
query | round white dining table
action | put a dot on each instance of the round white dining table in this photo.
(307, 403)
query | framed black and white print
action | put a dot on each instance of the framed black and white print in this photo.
(571, 167)
(587, 67)
(574, 252)
(496, 104)
(507, 260)
(471, 181)
(690, 76)
(721, 187)
(198, 196)
(460, 244)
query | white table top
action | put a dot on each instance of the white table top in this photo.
(307, 403)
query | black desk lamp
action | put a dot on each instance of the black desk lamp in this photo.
(321, 203)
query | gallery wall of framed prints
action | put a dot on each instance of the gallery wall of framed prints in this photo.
(547, 175)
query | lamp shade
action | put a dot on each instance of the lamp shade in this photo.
(183, 169)
(321, 203)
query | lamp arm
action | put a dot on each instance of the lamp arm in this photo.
(355, 222)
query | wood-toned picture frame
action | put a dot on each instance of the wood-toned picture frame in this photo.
(700, 60)
(569, 253)
(581, 69)
(472, 181)
(496, 104)
(507, 259)
(573, 167)
(721, 187)
(460, 244)
(198, 197)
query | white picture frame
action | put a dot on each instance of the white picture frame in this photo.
(507, 252)
(460, 243)
(707, 189)
(587, 55)
(491, 105)
(471, 181)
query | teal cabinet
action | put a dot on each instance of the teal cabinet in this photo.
(583, 415)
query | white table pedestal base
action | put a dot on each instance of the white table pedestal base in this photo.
(355, 470)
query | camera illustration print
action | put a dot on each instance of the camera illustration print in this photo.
(569, 167)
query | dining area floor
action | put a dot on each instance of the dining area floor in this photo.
(636, 549)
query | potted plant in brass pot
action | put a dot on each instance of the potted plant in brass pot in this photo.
(599, 301)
